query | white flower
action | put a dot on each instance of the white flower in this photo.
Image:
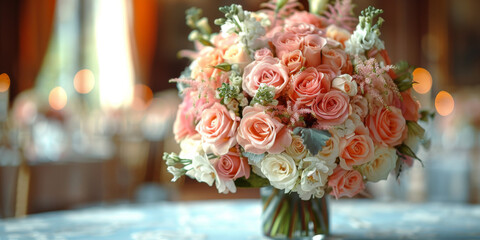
(384, 161)
(345, 84)
(345, 129)
(280, 170)
(202, 170)
(330, 151)
(314, 177)
(191, 147)
(225, 186)
(362, 41)
(176, 172)
(296, 150)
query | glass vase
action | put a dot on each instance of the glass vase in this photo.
(287, 216)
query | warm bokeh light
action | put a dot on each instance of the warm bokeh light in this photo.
(84, 81)
(142, 97)
(423, 80)
(57, 98)
(444, 103)
(4, 82)
(116, 72)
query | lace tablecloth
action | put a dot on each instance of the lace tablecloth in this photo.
(240, 219)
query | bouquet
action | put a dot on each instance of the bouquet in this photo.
(306, 102)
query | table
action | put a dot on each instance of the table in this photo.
(240, 219)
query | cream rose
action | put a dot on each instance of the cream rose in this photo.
(330, 151)
(258, 132)
(314, 176)
(296, 149)
(218, 129)
(280, 170)
(345, 84)
(384, 162)
(237, 54)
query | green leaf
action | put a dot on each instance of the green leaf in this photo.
(405, 150)
(254, 181)
(415, 129)
(224, 67)
(426, 115)
(253, 158)
(313, 139)
(280, 4)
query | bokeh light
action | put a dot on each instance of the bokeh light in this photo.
(84, 81)
(142, 97)
(423, 80)
(57, 98)
(444, 103)
(4, 82)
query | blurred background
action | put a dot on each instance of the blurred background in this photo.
(86, 109)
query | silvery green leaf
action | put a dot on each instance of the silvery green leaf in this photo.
(313, 139)
(253, 158)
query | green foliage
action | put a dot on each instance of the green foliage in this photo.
(405, 150)
(313, 139)
(227, 92)
(254, 181)
(264, 96)
(201, 30)
(366, 20)
(404, 80)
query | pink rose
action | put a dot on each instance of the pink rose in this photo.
(232, 166)
(305, 17)
(259, 132)
(307, 85)
(356, 150)
(409, 106)
(328, 70)
(302, 29)
(269, 71)
(312, 49)
(387, 127)
(184, 125)
(294, 61)
(285, 42)
(260, 54)
(338, 59)
(218, 129)
(359, 106)
(345, 183)
(223, 42)
(331, 108)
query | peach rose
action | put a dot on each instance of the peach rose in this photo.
(259, 132)
(296, 150)
(409, 106)
(331, 108)
(232, 166)
(237, 54)
(306, 86)
(338, 34)
(285, 42)
(269, 71)
(302, 29)
(345, 183)
(387, 127)
(338, 59)
(294, 61)
(184, 124)
(208, 57)
(328, 70)
(223, 42)
(260, 54)
(312, 49)
(305, 17)
(218, 128)
(356, 150)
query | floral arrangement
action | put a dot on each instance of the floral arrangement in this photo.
(307, 102)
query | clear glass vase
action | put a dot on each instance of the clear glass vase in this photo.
(287, 216)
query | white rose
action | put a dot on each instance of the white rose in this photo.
(280, 170)
(191, 147)
(296, 150)
(202, 170)
(384, 161)
(314, 177)
(237, 54)
(346, 84)
(330, 151)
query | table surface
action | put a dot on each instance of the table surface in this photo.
(240, 219)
